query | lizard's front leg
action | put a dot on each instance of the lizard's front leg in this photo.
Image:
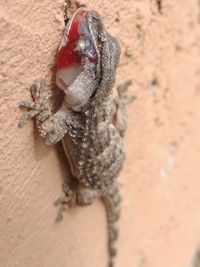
(39, 107)
(52, 127)
(120, 107)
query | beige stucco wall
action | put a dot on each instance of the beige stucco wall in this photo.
(160, 182)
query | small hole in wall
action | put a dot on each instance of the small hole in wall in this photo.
(117, 19)
(159, 6)
(198, 3)
(154, 86)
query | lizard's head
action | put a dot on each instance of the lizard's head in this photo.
(79, 59)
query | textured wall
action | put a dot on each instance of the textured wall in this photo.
(160, 224)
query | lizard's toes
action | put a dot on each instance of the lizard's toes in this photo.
(26, 104)
(35, 90)
(44, 82)
(60, 201)
(23, 119)
(39, 90)
(27, 115)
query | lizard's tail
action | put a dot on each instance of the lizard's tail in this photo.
(112, 204)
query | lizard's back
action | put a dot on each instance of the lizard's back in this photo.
(95, 152)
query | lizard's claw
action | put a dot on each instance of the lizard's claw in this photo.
(64, 202)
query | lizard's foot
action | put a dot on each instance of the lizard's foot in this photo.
(39, 106)
(80, 196)
(67, 201)
(62, 201)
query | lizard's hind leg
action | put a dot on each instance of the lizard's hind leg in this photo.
(82, 196)
(75, 196)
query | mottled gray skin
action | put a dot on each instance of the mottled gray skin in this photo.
(91, 131)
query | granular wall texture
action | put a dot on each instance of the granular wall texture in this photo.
(160, 223)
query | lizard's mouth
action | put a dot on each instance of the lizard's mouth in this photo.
(75, 51)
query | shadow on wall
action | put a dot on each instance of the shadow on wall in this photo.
(196, 258)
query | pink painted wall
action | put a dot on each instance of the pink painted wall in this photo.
(160, 182)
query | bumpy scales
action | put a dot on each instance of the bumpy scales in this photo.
(89, 124)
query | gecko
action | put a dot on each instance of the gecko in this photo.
(90, 124)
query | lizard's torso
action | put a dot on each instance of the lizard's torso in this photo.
(86, 67)
(94, 149)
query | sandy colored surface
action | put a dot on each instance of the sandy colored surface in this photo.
(160, 182)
